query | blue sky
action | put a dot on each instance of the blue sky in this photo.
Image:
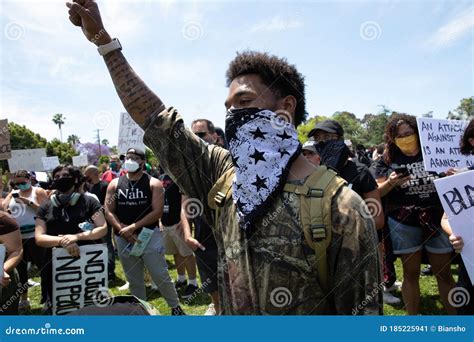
(412, 56)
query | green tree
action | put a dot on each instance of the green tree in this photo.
(105, 142)
(73, 139)
(374, 127)
(465, 110)
(305, 128)
(150, 157)
(352, 126)
(58, 119)
(64, 151)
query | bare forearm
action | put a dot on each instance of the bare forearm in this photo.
(150, 219)
(12, 261)
(139, 101)
(385, 187)
(113, 220)
(47, 241)
(94, 234)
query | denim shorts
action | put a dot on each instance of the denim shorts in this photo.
(409, 239)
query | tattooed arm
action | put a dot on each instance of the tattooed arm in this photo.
(139, 101)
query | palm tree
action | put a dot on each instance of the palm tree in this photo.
(58, 119)
(73, 139)
(105, 142)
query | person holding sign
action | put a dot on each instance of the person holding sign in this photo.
(65, 220)
(10, 241)
(414, 211)
(22, 203)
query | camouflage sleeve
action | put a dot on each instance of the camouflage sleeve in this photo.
(354, 263)
(192, 164)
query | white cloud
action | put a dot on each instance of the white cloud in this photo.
(277, 24)
(454, 30)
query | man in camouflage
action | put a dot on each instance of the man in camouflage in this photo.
(272, 270)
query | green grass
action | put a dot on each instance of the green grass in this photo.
(430, 302)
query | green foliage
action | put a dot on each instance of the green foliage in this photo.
(150, 157)
(64, 151)
(465, 110)
(104, 159)
(58, 119)
(73, 139)
(105, 142)
(305, 128)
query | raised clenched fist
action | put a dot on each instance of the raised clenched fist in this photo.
(85, 14)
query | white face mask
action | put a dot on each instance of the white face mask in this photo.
(131, 165)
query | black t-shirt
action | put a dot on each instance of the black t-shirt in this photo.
(359, 177)
(100, 190)
(134, 199)
(172, 208)
(7, 224)
(419, 191)
(59, 224)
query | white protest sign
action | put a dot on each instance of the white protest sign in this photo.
(29, 160)
(80, 160)
(457, 196)
(79, 282)
(130, 134)
(3, 252)
(49, 163)
(440, 144)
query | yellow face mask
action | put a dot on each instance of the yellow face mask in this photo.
(408, 145)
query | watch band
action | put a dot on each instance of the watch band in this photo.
(109, 47)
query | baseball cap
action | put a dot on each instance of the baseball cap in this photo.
(137, 152)
(329, 126)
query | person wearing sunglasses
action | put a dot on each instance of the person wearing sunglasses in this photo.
(205, 130)
(23, 203)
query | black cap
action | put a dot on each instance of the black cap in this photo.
(137, 152)
(329, 126)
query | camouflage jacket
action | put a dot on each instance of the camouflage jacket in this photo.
(273, 271)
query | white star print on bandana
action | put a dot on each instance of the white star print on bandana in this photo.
(262, 147)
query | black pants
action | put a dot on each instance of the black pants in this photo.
(35, 254)
(111, 252)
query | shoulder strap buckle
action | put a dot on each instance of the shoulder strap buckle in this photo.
(318, 232)
(219, 198)
(314, 192)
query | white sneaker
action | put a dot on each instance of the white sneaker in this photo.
(389, 298)
(124, 287)
(154, 287)
(211, 311)
(32, 283)
(397, 286)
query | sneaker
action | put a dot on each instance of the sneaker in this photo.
(177, 311)
(124, 287)
(24, 305)
(389, 298)
(46, 309)
(153, 286)
(180, 284)
(211, 310)
(427, 271)
(32, 283)
(189, 291)
(397, 286)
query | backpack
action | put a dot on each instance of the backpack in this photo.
(316, 196)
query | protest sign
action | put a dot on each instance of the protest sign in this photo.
(80, 160)
(78, 282)
(130, 134)
(440, 144)
(5, 147)
(2, 260)
(49, 163)
(29, 160)
(457, 196)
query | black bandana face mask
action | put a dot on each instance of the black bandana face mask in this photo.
(263, 147)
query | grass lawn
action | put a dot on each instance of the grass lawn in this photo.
(430, 303)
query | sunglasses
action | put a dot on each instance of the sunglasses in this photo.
(201, 134)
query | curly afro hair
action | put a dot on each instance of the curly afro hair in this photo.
(396, 119)
(276, 73)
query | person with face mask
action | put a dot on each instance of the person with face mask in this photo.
(60, 219)
(115, 169)
(414, 211)
(133, 206)
(23, 203)
(262, 252)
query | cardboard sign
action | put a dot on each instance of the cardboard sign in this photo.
(78, 282)
(29, 160)
(130, 134)
(440, 144)
(457, 196)
(49, 163)
(80, 160)
(5, 147)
